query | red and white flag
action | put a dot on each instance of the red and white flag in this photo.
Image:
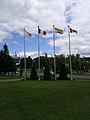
(41, 31)
(72, 30)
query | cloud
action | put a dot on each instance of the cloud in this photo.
(33, 54)
(19, 14)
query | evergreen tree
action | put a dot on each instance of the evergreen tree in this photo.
(33, 75)
(47, 75)
(7, 63)
(63, 73)
(5, 49)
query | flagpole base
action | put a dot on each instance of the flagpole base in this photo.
(71, 78)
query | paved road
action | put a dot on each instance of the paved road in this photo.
(80, 76)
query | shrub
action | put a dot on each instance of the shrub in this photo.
(33, 75)
(63, 73)
(47, 75)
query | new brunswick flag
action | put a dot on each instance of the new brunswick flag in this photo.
(57, 30)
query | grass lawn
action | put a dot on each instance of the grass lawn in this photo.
(45, 100)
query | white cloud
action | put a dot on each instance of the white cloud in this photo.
(32, 54)
(20, 13)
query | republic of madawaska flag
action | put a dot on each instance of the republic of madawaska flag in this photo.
(27, 33)
(57, 30)
(41, 31)
(72, 30)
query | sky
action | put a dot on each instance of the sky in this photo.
(15, 15)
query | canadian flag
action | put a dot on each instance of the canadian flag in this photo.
(41, 31)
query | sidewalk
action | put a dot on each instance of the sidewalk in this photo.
(10, 80)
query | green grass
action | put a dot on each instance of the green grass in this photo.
(45, 100)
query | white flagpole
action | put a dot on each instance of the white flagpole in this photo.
(39, 52)
(54, 52)
(24, 56)
(70, 52)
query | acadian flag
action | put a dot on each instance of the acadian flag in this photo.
(57, 30)
(27, 33)
(72, 30)
(41, 31)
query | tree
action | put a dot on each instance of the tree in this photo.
(33, 75)
(22, 63)
(7, 63)
(63, 72)
(75, 61)
(5, 49)
(60, 59)
(28, 62)
(47, 75)
(43, 61)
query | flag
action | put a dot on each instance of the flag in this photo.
(57, 30)
(41, 31)
(44, 32)
(72, 30)
(27, 33)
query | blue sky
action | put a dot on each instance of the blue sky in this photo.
(15, 15)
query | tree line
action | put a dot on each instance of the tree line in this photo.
(8, 64)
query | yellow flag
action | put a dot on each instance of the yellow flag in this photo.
(57, 30)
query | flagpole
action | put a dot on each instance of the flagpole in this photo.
(70, 53)
(38, 53)
(24, 56)
(54, 52)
